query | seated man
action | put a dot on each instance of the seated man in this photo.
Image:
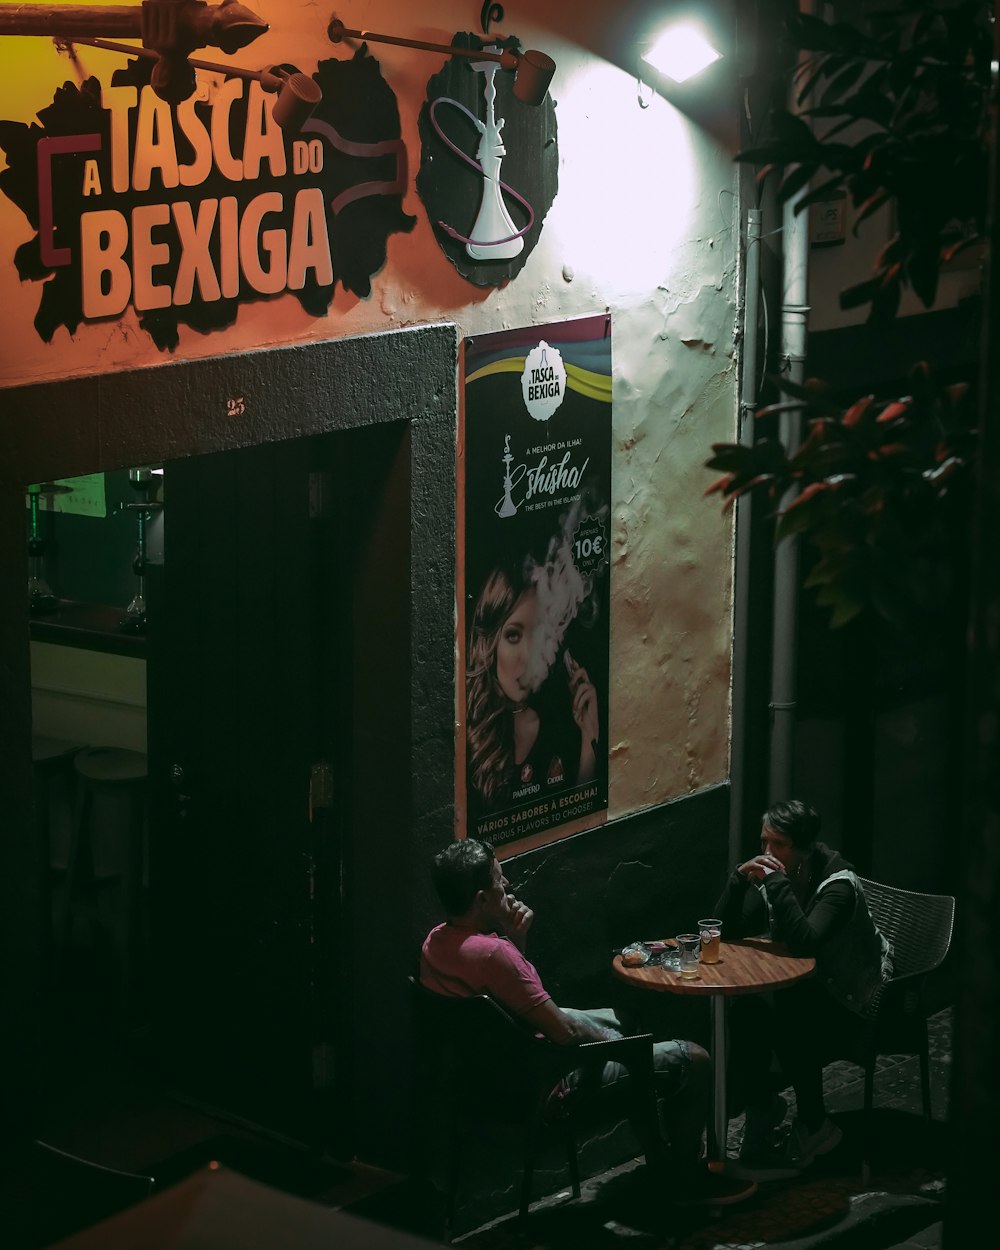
(480, 950)
(808, 897)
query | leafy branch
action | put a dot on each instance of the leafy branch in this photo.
(917, 93)
(872, 483)
(893, 114)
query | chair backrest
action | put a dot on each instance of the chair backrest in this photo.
(468, 1041)
(62, 1193)
(918, 925)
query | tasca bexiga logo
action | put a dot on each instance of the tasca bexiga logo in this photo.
(543, 382)
(185, 211)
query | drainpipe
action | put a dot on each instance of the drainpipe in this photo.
(743, 518)
(784, 630)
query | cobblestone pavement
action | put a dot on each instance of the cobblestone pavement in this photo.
(831, 1204)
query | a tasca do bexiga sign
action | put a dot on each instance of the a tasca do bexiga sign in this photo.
(184, 211)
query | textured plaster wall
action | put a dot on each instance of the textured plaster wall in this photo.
(644, 224)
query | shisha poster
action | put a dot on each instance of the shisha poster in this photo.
(537, 597)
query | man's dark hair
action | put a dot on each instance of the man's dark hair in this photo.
(796, 821)
(460, 871)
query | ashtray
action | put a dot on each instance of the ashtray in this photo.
(635, 955)
(662, 955)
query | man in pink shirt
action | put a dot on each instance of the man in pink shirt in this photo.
(479, 949)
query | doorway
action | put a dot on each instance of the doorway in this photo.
(268, 890)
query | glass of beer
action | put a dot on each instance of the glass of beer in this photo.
(689, 947)
(711, 936)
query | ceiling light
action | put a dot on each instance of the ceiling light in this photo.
(680, 52)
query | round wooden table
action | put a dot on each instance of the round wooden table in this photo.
(749, 966)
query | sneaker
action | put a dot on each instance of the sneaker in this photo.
(764, 1163)
(803, 1147)
(777, 1163)
(704, 1188)
(763, 1156)
(762, 1123)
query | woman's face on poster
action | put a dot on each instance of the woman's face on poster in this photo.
(515, 648)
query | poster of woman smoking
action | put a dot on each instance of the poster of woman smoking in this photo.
(537, 526)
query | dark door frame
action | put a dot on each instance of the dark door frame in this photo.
(146, 416)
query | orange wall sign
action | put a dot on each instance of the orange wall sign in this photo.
(184, 211)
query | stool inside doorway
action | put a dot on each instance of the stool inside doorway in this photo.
(52, 765)
(111, 798)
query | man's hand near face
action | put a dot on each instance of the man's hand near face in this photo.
(760, 866)
(517, 921)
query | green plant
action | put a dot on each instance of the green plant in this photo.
(914, 93)
(872, 487)
(896, 114)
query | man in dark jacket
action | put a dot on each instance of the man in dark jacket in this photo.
(806, 896)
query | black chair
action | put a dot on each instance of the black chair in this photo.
(61, 1193)
(480, 1064)
(919, 926)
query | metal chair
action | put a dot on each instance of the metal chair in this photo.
(919, 927)
(482, 1065)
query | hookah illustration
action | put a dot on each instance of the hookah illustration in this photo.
(494, 235)
(507, 507)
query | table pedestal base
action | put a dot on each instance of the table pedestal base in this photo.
(720, 1117)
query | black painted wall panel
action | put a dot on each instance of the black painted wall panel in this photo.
(642, 876)
(162, 413)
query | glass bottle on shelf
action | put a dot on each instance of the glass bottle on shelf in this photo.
(143, 483)
(40, 595)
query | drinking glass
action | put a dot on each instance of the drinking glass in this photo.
(711, 937)
(689, 946)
